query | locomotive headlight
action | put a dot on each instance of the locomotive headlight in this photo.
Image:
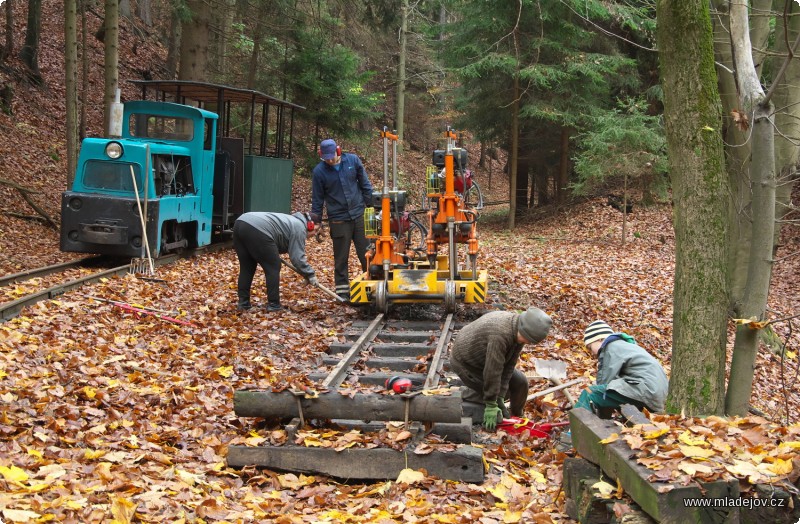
(114, 150)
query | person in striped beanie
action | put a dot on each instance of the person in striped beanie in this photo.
(626, 372)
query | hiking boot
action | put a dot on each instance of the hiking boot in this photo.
(244, 306)
(274, 306)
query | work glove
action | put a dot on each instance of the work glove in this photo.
(313, 280)
(491, 414)
(317, 219)
(503, 408)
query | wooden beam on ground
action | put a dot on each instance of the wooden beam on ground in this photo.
(457, 433)
(393, 364)
(385, 349)
(464, 464)
(666, 503)
(364, 406)
(378, 378)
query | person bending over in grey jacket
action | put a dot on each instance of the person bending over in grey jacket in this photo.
(485, 355)
(626, 373)
(260, 238)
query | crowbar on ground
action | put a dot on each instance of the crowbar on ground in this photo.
(143, 311)
(319, 286)
(119, 302)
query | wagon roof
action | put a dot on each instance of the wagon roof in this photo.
(207, 92)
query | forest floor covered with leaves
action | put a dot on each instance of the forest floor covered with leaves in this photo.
(110, 415)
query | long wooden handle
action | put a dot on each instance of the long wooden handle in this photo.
(556, 388)
(319, 286)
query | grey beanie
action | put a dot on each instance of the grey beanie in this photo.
(534, 324)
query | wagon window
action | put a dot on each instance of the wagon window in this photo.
(161, 127)
(111, 176)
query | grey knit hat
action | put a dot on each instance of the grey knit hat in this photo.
(597, 330)
(534, 324)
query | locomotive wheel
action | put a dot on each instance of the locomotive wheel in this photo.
(381, 298)
(450, 297)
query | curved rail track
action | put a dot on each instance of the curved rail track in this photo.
(12, 308)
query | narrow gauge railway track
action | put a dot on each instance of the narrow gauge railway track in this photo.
(40, 272)
(373, 352)
(12, 308)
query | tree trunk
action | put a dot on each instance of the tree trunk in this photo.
(29, 54)
(194, 42)
(787, 119)
(563, 167)
(759, 110)
(71, 85)
(401, 73)
(738, 146)
(9, 46)
(111, 65)
(523, 181)
(84, 71)
(512, 175)
(124, 9)
(145, 12)
(700, 192)
(223, 35)
(174, 43)
(542, 177)
(254, 56)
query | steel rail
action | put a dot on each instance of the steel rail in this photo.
(432, 379)
(339, 372)
(9, 310)
(29, 274)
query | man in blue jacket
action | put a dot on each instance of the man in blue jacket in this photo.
(626, 373)
(340, 184)
(259, 238)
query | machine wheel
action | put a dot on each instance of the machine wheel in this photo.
(450, 297)
(381, 298)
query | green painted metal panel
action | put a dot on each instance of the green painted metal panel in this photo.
(267, 184)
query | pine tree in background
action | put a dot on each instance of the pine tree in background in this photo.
(572, 70)
(327, 80)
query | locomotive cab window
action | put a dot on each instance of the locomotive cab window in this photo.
(161, 127)
(111, 176)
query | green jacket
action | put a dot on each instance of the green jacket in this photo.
(633, 372)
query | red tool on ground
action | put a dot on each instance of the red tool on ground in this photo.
(518, 426)
(398, 384)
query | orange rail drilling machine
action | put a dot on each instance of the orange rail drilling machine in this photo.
(410, 262)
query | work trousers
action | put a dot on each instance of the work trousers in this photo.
(343, 233)
(516, 392)
(254, 248)
(599, 399)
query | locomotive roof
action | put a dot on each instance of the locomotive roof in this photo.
(158, 106)
(206, 92)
